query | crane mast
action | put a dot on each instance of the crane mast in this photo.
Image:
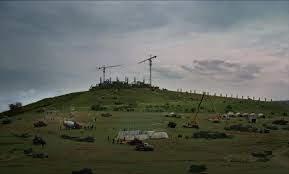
(104, 69)
(150, 65)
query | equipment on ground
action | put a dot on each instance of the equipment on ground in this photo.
(39, 124)
(144, 147)
(71, 124)
(193, 123)
(135, 142)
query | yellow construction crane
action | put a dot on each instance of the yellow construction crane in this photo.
(194, 121)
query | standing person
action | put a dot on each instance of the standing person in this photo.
(107, 138)
(113, 141)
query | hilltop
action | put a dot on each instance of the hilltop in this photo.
(151, 100)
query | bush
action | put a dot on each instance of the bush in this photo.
(118, 103)
(41, 110)
(193, 110)
(229, 107)
(272, 113)
(106, 114)
(172, 124)
(15, 106)
(197, 168)
(6, 121)
(98, 107)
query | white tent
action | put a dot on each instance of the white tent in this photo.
(159, 135)
(150, 133)
(231, 114)
(238, 114)
(261, 115)
(137, 134)
(142, 137)
(252, 118)
(128, 135)
(226, 117)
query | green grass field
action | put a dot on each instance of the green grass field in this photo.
(173, 155)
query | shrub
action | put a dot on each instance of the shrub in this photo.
(228, 108)
(41, 110)
(118, 103)
(15, 106)
(197, 168)
(172, 124)
(6, 121)
(98, 107)
(193, 110)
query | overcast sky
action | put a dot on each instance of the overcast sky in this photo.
(53, 48)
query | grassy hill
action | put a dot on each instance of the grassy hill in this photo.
(173, 155)
(147, 100)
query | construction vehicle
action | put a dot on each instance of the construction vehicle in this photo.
(193, 123)
(217, 118)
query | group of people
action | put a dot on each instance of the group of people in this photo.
(117, 141)
(91, 127)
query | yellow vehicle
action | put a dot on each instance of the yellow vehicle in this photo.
(194, 123)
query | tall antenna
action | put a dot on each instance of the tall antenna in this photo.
(103, 70)
(150, 64)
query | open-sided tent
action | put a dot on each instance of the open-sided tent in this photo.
(128, 135)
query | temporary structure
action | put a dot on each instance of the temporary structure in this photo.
(261, 115)
(137, 134)
(231, 114)
(128, 135)
(252, 118)
(159, 135)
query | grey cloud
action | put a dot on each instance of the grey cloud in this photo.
(225, 15)
(168, 72)
(46, 46)
(223, 70)
(60, 18)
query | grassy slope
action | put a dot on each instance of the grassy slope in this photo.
(173, 155)
(158, 100)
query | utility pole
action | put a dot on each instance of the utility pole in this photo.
(150, 65)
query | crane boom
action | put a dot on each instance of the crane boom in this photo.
(153, 57)
(104, 68)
